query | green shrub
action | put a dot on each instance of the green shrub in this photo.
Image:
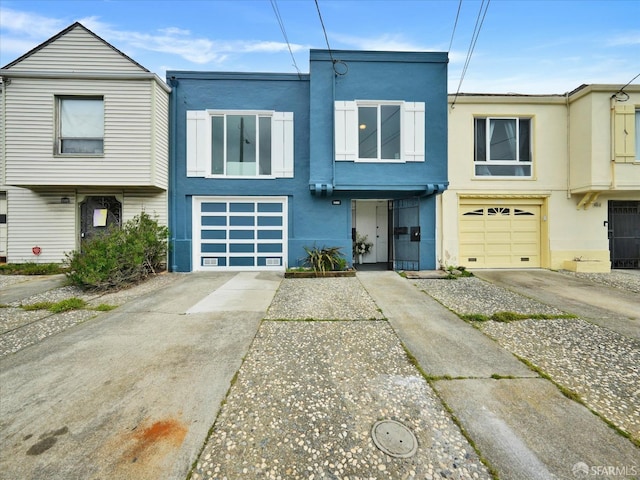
(120, 256)
(324, 259)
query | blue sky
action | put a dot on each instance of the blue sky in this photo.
(524, 46)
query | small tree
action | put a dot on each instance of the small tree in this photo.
(120, 256)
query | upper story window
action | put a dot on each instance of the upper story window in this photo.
(502, 147)
(379, 131)
(239, 143)
(80, 128)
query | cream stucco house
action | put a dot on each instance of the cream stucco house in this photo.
(83, 145)
(549, 181)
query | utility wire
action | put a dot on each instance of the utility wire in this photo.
(324, 30)
(333, 60)
(276, 10)
(472, 45)
(455, 25)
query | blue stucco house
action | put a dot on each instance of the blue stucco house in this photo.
(264, 164)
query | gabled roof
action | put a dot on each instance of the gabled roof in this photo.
(64, 32)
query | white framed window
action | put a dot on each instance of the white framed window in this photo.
(379, 131)
(502, 147)
(80, 126)
(239, 144)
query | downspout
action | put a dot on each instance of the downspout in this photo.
(568, 107)
(612, 133)
(173, 173)
(333, 123)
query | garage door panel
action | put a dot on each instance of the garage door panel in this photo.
(239, 233)
(499, 236)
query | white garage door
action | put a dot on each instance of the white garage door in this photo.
(500, 236)
(239, 233)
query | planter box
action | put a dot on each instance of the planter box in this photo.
(587, 266)
(312, 274)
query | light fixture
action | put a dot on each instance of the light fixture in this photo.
(363, 126)
(65, 200)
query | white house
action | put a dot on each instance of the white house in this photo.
(549, 181)
(84, 144)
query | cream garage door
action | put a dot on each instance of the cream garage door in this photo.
(499, 236)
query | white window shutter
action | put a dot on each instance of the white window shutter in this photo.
(282, 144)
(413, 131)
(346, 130)
(198, 143)
(624, 133)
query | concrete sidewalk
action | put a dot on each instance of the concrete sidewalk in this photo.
(133, 393)
(521, 424)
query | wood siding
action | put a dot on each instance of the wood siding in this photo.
(39, 219)
(78, 51)
(135, 138)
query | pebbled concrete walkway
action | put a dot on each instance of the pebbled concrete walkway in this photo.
(522, 425)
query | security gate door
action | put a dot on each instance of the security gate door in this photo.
(624, 234)
(406, 234)
(97, 214)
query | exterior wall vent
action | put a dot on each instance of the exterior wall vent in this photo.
(209, 262)
(272, 262)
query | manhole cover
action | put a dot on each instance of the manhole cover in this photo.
(394, 439)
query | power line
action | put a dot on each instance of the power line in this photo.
(472, 45)
(455, 25)
(325, 31)
(333, 60)
(276, 10)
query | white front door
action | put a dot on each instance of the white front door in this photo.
(370, 219)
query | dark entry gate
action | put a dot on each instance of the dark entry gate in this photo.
(624, 233)
(406, 234)
(97, 214)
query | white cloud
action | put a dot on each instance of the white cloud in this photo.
(25, 31)
(624, 39)
(29, 24)
(385, 42)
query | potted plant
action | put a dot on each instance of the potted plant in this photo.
(361, 246)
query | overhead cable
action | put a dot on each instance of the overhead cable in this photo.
(455, 25)
(333, 60)
(474, 38)
(276, 10)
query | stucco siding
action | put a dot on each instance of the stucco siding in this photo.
(30, 135)
(78, 51)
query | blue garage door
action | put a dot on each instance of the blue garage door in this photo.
(239, 233)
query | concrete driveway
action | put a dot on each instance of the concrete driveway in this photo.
(133, 393)
(615, 309)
